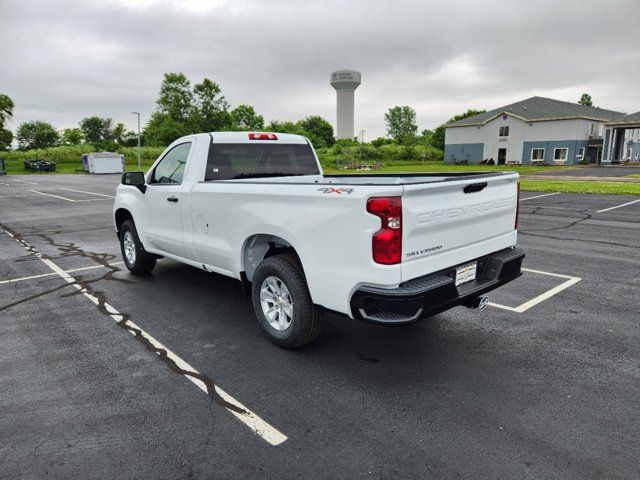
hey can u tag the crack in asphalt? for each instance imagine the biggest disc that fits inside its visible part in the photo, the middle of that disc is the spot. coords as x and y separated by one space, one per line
86 287
31 297
573 223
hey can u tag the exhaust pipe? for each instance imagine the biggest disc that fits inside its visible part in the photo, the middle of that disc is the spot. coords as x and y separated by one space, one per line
479 302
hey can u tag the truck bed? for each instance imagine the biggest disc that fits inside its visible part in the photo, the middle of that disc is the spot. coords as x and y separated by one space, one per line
408 178
377 179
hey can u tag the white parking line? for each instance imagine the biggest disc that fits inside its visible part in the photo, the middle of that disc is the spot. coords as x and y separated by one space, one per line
15 196
618 206
25 181
55 196
13 280
540 196
540 298
88 193
267 432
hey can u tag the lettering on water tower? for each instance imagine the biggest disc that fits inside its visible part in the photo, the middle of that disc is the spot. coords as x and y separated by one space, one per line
342 76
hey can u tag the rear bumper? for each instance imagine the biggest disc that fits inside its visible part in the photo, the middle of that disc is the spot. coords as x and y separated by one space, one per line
436 292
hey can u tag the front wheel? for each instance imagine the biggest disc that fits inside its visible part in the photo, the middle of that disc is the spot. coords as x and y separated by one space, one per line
137 260
282 302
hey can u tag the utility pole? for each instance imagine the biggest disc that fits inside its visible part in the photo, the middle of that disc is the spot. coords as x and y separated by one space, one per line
362 132
139 141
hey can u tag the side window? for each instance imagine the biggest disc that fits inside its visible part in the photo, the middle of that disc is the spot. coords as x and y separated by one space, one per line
171 168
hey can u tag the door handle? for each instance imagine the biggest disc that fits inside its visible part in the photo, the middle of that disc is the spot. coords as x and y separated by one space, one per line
172 199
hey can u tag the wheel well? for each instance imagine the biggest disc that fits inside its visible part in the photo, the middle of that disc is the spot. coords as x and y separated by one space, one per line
121 216
261 246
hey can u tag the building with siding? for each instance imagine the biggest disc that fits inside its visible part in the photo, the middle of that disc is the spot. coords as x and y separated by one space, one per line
533 130
622 140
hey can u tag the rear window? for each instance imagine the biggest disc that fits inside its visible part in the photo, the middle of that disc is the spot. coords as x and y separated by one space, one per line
240 160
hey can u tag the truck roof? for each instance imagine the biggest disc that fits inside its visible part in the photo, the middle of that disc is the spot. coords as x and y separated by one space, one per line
245 137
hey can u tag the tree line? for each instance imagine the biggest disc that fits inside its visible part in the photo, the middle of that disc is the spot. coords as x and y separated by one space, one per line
182 109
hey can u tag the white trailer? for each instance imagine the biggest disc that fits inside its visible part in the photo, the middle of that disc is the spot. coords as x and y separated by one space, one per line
103 162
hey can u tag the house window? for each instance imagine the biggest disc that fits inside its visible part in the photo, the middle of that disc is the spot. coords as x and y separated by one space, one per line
592 129
560 153
580 155
537 154
504 131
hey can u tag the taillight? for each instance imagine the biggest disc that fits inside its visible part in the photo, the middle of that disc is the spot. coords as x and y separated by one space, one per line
263 136
517 207
386 244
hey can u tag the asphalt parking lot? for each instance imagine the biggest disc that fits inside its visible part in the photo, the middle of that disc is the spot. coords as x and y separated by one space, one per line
545 383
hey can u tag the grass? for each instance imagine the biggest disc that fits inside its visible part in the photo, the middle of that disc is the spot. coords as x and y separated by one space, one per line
609 188
440 167
635 175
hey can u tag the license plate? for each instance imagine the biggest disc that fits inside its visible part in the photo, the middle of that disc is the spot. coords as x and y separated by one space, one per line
466 273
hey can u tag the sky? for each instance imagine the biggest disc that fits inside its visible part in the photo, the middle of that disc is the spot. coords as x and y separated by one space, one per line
63 60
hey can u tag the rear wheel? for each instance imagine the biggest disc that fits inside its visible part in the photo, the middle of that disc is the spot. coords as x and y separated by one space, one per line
282 302
136 259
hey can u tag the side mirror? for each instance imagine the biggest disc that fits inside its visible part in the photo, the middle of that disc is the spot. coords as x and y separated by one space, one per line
134 179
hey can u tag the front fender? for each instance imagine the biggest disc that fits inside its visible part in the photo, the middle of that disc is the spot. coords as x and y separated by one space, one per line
130 199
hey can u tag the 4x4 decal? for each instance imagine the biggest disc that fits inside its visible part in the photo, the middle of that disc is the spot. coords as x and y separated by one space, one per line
339 191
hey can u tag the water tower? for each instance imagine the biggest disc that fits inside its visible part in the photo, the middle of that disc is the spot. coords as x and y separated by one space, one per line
345 82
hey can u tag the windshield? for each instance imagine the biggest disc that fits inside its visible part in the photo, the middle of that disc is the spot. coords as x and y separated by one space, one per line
227 161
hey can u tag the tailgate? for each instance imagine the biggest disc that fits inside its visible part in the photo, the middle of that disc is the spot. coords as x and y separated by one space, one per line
451 222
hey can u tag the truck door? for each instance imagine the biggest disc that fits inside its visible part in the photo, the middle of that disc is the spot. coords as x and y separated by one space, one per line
162 218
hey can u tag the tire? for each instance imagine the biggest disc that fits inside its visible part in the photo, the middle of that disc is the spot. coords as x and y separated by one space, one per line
136 259
302 319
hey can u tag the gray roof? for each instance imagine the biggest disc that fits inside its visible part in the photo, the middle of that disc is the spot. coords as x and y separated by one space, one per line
536 109
631 118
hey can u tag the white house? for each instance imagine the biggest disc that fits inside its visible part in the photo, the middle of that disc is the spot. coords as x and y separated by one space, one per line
533 130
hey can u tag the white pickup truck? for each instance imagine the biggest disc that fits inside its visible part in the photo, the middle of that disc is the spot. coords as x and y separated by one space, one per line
256 207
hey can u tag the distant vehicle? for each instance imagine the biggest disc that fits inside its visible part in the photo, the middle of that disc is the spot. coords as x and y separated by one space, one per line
103 162
389 249
40 165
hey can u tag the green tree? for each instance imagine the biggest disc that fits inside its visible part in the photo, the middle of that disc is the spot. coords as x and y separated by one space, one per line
119 132
72 136
319 131
6 137
183 110
36 134
96 130
6 112
401 124
210 107
378 142
437 139
161 130
426 137
586 100
244 117
176 97
284 127
123 137
6 109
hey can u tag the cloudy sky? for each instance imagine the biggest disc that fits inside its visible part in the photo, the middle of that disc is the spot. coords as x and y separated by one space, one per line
63 60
